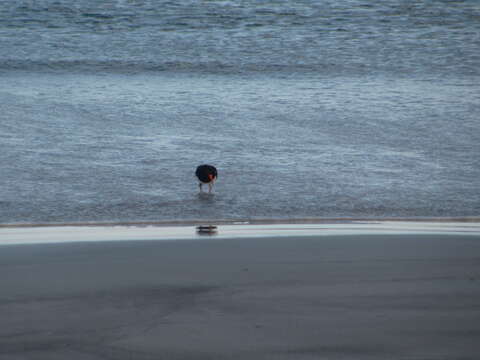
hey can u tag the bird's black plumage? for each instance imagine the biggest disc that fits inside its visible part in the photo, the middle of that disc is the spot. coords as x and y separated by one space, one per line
206 173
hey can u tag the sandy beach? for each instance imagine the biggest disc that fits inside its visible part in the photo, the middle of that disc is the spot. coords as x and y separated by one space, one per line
342 291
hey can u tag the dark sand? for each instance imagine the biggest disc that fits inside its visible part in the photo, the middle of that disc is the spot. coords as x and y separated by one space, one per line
327 297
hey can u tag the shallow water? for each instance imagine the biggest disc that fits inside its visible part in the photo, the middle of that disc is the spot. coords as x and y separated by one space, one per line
307 110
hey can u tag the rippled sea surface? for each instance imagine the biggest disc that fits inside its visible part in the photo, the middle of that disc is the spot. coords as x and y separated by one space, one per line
307 108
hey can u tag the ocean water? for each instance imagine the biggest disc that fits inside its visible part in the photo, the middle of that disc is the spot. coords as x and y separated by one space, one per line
309 109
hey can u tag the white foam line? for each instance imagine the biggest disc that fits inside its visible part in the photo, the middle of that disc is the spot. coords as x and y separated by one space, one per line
66 234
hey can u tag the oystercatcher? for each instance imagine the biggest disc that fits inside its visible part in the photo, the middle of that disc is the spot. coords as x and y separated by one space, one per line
207 174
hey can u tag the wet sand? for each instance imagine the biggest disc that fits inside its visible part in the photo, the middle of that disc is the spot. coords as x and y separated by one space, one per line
343 296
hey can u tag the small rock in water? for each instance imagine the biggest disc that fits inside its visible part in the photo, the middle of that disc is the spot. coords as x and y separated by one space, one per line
207 229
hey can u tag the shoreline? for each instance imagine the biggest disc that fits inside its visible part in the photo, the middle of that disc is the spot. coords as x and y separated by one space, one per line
259 221
116 232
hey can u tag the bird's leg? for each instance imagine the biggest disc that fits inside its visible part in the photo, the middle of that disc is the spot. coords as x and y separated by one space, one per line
200 186
210 185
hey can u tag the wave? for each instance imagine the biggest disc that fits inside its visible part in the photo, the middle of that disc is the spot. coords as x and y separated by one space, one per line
116 66
245 221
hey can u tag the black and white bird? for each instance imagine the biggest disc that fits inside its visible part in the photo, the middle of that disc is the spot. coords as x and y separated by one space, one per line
206 174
